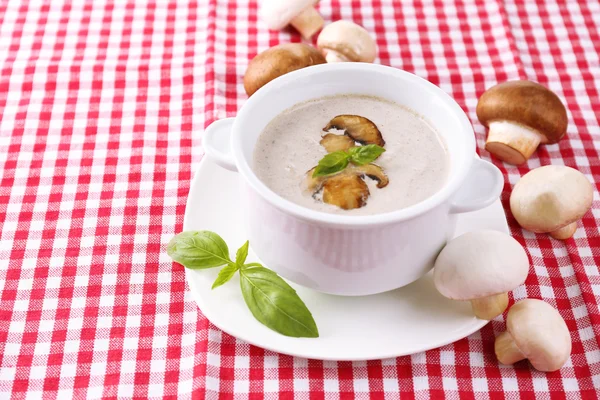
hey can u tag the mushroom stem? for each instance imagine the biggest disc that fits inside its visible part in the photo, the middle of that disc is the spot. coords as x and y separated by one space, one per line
565 232
506 349
512 143
308 22
333 56
490 307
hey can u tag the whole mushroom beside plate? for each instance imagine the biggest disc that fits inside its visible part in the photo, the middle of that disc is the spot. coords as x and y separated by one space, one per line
481 267
520 115
551 199
534 331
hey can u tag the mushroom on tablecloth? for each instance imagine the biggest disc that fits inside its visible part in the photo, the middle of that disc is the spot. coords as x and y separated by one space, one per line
520 115
481 267
551 199
536 331
277 61
344 41
301 14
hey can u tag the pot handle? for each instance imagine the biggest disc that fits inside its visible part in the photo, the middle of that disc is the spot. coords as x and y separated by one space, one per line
217 143
482 187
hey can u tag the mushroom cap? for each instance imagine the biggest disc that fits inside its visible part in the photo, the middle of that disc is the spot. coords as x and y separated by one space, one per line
480 264
333 143
551 197
278 13
360 129
277 61
351 40
373 171
540 333
525 103
347 191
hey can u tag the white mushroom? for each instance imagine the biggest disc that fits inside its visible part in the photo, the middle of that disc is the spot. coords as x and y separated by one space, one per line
551 199
481 266
520 115
346 41
536 331
299 13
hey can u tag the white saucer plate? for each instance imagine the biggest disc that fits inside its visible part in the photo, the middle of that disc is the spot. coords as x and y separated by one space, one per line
408 320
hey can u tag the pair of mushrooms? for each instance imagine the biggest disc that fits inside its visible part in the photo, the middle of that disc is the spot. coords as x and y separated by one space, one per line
338 42
482 267
347 189
520 115
346 41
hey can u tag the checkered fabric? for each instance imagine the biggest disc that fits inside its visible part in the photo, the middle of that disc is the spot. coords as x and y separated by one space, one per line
102 108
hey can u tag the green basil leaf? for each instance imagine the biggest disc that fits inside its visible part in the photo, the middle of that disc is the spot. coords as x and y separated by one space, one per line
199 250
362 155
225 274
331 163
276 304
333 159
242 253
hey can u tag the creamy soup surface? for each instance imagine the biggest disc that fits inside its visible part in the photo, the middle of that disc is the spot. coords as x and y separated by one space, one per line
416 160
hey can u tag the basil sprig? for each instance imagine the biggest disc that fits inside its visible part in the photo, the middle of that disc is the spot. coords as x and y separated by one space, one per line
270 299
338 160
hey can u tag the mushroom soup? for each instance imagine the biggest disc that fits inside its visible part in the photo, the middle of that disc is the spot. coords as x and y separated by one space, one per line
357 177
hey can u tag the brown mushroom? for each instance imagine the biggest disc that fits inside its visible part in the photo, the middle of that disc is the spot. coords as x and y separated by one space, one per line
520 115
313 184
333 143
346 191
360 129
551 199
299 13
277 61
346 41
372 171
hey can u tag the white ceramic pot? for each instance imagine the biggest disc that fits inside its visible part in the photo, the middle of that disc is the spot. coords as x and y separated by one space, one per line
353 255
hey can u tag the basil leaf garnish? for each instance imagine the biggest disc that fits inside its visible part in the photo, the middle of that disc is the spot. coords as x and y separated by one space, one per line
225 274
362 155
199 250
337 161
242 253
332 163
276 304
271 300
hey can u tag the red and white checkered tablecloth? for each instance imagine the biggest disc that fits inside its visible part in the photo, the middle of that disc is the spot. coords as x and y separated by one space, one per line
102 107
